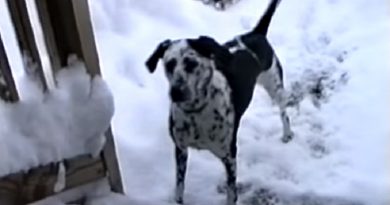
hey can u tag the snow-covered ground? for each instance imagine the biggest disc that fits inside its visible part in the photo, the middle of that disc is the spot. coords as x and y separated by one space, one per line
340 150
339 155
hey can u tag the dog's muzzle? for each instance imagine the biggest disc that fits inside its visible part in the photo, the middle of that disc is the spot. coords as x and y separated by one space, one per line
178 94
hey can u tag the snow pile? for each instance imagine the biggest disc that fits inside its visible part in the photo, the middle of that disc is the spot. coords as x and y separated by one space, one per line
47 127
334 56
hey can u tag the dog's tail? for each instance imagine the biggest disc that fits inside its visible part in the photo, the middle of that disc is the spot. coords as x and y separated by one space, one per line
263 24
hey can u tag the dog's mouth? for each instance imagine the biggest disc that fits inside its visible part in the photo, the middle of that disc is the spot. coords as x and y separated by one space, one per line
179 95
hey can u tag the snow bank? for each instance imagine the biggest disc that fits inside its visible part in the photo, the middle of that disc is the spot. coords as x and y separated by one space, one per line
48 127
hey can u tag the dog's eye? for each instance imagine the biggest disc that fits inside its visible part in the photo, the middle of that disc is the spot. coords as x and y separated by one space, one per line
170 65
189 65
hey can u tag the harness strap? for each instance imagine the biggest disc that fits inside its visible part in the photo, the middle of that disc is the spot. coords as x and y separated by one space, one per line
241 46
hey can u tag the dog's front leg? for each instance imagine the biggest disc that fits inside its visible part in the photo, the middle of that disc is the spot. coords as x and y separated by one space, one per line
231 173
181 156
287 133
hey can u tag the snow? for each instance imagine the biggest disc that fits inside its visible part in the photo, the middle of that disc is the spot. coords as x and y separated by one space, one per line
45 127
339 155
340 150
66 122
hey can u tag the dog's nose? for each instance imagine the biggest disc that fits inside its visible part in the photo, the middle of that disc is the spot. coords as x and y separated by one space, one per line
177 94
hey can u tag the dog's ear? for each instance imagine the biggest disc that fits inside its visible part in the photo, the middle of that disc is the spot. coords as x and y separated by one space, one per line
204 45
153 59
209 48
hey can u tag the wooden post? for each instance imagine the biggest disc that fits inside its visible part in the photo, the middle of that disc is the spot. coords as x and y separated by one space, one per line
68 30
9 190
39 182
8 90
25 35
110 157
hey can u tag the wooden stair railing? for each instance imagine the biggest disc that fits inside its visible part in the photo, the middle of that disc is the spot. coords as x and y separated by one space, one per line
67 30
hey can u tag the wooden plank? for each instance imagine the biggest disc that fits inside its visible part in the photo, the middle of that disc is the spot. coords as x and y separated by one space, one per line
85 30
25 35
110 157
38 183
49 37
9 187
84 26
74 196
8 90
83 170
68 30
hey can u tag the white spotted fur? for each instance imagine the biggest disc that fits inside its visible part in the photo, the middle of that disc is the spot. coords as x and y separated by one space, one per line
205 120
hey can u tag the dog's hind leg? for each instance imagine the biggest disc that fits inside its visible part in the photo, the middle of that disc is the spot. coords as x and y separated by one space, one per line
231 173
272 81
287 133
181 156
278 96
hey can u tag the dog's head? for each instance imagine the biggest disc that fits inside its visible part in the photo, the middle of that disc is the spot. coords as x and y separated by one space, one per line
189 65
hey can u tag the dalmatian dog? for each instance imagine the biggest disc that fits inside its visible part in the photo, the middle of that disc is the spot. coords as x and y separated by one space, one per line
211 86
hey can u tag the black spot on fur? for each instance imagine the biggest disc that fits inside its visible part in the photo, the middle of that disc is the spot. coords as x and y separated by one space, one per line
190 65
215 92
217 116
170 65
228 111
185 128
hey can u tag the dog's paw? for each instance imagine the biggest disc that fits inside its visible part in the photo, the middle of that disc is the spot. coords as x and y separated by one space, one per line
287 137
179 200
